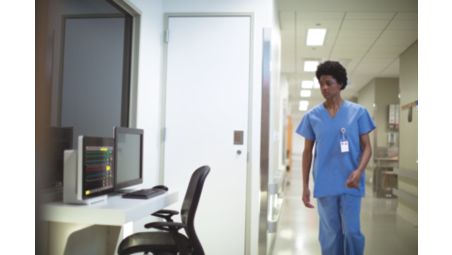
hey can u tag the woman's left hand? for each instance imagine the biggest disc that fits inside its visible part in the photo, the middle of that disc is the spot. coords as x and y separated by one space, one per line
353 179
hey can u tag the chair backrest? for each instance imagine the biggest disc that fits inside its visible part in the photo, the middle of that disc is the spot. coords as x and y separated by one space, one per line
190 204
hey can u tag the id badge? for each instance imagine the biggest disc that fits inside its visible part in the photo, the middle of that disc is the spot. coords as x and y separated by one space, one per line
344 146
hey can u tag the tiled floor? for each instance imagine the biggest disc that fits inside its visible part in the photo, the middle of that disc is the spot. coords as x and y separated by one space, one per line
385 232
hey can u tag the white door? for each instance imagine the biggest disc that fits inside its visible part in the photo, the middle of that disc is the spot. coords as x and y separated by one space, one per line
207 90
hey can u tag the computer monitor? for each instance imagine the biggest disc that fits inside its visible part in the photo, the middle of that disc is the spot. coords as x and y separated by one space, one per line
97 165
88 171
128 157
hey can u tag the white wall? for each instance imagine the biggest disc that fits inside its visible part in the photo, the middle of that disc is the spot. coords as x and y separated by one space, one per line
149 85
278 96
150 82
284 113
263 18
297 140
149 90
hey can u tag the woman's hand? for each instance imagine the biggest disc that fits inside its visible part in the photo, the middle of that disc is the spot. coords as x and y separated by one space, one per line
353 179
306 197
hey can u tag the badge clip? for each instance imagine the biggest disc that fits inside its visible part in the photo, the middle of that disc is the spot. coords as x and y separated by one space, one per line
344 142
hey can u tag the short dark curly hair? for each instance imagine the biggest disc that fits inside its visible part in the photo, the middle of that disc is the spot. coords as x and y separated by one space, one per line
334 69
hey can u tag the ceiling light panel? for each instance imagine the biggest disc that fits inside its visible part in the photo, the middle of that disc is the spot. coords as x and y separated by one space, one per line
316 37
307 84
316 84
310 65
305 93
303 105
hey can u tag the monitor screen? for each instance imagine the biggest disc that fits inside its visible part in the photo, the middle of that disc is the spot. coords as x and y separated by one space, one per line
97 166
128 157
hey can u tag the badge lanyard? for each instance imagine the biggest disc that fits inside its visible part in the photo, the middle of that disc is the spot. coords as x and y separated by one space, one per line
344 142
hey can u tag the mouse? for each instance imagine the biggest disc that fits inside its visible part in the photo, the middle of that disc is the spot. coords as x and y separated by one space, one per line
160 187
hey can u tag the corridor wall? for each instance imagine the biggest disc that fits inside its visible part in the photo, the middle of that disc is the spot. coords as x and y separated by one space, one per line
376 97
408 185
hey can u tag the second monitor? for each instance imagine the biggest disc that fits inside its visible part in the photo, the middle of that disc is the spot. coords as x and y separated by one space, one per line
128 157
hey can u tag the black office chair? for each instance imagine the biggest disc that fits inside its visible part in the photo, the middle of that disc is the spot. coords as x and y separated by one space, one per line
169 240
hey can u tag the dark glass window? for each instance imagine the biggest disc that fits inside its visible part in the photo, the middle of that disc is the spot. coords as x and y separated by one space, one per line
84 85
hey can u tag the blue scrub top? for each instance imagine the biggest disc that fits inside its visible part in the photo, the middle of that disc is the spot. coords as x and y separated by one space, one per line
331 166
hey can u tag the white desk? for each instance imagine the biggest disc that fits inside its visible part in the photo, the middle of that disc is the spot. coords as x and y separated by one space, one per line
107 217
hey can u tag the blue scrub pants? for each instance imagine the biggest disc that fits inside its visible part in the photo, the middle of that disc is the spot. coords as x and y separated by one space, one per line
340 232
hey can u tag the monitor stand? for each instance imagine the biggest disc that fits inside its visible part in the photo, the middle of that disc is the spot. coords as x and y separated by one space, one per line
94 200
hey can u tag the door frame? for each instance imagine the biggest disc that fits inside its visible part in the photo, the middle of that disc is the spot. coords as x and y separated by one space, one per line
248 198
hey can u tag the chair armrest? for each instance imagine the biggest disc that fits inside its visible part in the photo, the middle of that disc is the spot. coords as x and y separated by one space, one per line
167 226
165 214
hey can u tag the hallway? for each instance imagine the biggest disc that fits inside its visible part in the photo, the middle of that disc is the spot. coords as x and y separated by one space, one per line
385 232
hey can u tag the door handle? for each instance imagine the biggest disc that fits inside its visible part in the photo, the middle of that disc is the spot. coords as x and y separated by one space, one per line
239 152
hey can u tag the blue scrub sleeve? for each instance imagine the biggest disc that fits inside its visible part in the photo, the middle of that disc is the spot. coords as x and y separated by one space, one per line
305 128
365 123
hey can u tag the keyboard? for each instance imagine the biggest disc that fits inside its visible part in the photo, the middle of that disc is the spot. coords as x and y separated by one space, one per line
144 193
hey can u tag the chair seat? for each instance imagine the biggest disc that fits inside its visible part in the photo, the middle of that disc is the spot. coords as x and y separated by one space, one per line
155 242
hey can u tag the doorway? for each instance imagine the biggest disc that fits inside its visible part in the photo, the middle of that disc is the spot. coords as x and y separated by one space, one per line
206 121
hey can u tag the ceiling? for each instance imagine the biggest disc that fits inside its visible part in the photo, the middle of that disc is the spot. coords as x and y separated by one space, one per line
366 36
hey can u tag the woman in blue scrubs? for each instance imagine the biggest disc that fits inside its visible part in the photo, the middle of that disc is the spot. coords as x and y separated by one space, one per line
339 129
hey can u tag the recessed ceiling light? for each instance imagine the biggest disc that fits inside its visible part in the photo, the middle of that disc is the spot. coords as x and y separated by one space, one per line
305 93
310 65
303 105
316 83
307 84
316 36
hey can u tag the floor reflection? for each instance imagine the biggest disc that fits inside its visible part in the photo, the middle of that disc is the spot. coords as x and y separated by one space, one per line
385 232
